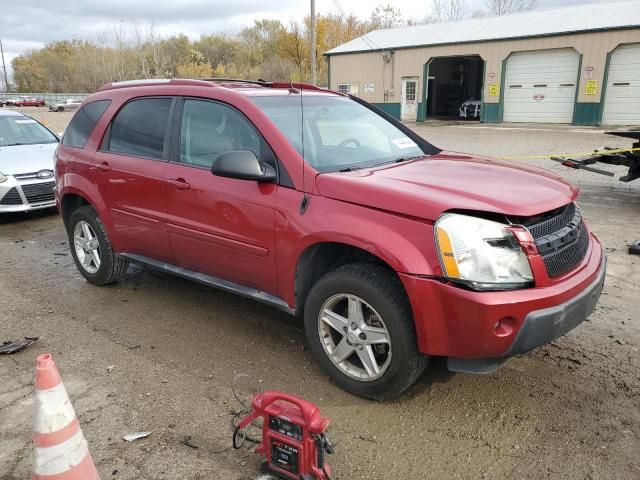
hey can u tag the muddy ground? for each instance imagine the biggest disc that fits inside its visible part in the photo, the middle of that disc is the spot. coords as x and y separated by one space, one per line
569 410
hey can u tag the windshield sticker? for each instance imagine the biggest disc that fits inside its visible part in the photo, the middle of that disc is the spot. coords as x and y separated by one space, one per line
26 121
404 142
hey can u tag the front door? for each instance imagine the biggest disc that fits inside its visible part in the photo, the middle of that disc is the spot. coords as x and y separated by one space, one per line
409 99
129 173
223 227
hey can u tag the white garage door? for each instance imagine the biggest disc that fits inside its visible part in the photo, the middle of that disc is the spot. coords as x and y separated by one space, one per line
622 97
540 86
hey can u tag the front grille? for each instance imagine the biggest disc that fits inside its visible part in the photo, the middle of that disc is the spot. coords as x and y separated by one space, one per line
32 175
561 238
568 257
11 198
553 222
39 192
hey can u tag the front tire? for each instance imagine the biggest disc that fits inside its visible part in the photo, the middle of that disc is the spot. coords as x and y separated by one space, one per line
60 109
91 248
360 328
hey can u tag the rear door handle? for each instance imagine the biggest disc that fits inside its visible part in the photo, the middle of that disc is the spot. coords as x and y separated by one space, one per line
104 166
179 183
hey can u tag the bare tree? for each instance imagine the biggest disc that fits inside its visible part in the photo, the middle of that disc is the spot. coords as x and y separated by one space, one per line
446 11
502 7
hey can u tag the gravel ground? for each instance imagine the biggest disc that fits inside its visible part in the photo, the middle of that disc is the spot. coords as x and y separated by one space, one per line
569 410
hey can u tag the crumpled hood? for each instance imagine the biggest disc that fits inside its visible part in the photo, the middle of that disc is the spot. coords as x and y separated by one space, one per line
425 188
26 158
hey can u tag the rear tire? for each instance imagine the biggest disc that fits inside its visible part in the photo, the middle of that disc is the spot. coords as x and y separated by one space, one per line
60 109
382 334
91 248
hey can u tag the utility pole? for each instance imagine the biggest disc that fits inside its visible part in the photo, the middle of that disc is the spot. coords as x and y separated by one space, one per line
313 43
4 68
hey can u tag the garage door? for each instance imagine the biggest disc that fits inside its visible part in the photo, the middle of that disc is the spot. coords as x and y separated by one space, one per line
622 97
540 86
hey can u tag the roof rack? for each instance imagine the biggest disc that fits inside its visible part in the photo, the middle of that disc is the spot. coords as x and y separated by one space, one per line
204 82
149 82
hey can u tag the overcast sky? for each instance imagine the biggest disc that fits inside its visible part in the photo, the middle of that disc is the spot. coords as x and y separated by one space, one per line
28 24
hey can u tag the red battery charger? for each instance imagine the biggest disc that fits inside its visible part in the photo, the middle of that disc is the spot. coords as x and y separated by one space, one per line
294 440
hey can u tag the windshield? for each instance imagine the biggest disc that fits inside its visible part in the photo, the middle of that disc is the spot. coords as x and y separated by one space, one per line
19 130
339 133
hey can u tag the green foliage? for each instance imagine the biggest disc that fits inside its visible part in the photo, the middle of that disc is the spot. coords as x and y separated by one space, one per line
267 50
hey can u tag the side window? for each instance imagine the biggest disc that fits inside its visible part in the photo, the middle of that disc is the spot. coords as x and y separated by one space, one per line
139 128
209 129
83 123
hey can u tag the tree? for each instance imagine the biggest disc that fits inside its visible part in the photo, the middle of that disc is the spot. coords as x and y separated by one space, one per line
386 16
446 11
502 7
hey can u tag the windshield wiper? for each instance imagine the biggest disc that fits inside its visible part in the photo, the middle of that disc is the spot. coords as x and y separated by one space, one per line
406 159
349 169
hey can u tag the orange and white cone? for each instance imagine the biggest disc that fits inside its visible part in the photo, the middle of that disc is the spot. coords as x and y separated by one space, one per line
60 450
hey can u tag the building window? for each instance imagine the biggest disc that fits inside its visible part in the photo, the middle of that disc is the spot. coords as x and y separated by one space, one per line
411 91
348 88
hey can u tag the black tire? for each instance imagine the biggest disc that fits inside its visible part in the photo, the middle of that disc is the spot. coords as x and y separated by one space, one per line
61 109
112 268
382 290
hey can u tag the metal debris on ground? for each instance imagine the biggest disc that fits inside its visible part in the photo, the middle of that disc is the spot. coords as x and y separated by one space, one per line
110 368
634 248
187 440
17 345
135 436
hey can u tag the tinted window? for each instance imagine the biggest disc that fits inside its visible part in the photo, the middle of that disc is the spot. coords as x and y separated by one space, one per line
83 123
209 129
139 128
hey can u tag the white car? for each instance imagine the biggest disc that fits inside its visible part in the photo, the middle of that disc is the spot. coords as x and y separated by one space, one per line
26 163
471 109
69 104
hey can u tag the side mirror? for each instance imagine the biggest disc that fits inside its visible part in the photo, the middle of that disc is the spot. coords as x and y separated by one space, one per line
243 165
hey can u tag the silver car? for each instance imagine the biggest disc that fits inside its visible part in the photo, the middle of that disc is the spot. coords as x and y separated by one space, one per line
68 105
26 163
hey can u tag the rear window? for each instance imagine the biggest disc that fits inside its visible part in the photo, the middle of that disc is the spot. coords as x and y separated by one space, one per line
83 123
140 127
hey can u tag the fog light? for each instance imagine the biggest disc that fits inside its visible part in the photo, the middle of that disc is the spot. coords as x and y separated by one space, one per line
504 327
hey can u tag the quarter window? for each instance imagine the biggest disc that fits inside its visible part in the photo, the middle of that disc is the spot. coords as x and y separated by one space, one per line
139 128
209 129
83 123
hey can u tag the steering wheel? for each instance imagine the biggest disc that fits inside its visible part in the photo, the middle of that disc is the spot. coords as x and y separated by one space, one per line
346 142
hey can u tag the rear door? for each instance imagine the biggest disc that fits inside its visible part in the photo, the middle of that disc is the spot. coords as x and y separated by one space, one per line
223 227
129 173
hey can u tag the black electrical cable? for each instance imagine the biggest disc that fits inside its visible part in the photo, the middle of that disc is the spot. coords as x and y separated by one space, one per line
245 411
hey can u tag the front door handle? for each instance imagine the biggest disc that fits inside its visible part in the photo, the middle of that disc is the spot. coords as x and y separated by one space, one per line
104 166
180 183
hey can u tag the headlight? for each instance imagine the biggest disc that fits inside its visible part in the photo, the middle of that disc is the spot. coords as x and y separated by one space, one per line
481 253
3 178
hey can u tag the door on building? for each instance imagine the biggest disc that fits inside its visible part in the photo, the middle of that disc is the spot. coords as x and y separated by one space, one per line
622 98
540 86
409 98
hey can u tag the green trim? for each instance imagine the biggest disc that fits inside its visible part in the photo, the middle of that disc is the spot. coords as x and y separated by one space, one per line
392 109
603 91
490 113
329 73
422 112
574 119
489 40
586 114
503 75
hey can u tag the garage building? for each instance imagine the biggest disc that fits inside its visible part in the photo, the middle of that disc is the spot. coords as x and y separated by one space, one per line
578 64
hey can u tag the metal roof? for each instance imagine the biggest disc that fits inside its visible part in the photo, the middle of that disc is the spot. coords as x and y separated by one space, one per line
555 21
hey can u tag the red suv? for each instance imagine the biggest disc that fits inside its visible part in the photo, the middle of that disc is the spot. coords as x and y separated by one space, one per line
324 206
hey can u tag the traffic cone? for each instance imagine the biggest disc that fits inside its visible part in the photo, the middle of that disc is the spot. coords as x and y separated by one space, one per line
60 450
